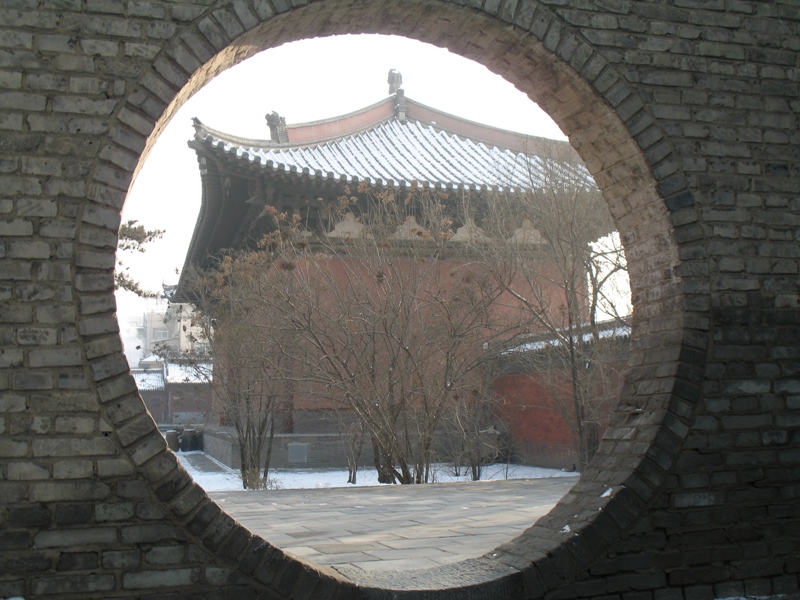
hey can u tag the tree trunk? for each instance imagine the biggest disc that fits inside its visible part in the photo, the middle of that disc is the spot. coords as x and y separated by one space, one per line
383 463
270 439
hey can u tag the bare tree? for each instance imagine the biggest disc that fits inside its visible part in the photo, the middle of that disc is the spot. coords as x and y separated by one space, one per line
554 248
392 320
396 313
477 436
246 377
353 435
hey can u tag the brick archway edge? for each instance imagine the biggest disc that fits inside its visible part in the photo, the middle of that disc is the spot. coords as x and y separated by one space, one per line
686 113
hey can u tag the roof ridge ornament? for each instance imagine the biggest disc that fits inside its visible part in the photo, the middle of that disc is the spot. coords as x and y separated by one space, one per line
395 81
277 128
199 127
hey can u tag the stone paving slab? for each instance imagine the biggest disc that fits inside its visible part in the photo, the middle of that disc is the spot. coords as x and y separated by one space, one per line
395 528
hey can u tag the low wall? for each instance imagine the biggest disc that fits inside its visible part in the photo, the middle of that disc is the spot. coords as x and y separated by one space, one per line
289 451
327 450
549 455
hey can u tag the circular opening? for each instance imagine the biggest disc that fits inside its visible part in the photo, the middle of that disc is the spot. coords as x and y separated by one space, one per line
621 170
532 409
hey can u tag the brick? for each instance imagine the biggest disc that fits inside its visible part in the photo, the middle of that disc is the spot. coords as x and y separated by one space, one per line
46 315
187 499
120 511
103 347
77 561
27 471
30 207
71 446
12 403
83 106
114 468
16 227
136 121
150 511
160 30
11 358
73 584
165 555
147 448
212 33
33 515
75 537
156 578
109 366
162 91
162 465
99 238
33 293
31 380
22 101
11 122
136 429
73 514
73 469
16 271
121 559
121 410
56 357
100 47
115 177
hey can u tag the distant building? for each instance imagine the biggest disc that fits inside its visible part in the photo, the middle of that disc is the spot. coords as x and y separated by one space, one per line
305 168
169 327
175 394
190 394
155 331
151 384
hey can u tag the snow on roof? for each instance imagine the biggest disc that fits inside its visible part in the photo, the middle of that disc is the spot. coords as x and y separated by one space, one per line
394 153
605 332
176 373
148 379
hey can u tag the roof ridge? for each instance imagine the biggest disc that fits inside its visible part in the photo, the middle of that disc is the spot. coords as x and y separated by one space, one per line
200 127
468 164
415 111
340 117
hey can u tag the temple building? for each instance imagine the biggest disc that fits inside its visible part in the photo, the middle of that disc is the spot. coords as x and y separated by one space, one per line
396 145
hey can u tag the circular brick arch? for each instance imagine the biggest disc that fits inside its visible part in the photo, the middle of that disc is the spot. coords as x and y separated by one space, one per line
685 115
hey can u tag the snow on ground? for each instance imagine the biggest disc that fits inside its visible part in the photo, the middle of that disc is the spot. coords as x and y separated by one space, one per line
221 478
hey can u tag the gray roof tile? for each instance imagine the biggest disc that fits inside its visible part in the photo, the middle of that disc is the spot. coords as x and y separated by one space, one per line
392 152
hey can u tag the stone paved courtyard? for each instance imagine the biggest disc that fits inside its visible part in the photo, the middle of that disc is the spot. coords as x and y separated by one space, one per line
395 527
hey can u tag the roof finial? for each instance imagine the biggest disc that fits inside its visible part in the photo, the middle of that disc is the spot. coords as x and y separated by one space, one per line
395 81
277 128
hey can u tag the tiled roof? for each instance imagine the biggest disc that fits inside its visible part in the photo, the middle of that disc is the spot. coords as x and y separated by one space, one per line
199 373
149 379
608 330
156 379
390 153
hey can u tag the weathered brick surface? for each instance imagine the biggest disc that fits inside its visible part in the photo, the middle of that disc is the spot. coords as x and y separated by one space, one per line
686 113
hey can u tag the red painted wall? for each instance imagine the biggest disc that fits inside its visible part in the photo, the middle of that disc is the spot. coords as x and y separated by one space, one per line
528 409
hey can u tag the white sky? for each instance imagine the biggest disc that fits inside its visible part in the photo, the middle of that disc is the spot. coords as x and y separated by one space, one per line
303 81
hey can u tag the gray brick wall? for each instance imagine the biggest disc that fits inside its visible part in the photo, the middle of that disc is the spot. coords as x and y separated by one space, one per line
686 113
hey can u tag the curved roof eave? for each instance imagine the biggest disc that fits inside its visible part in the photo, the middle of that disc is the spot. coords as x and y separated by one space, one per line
388 154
